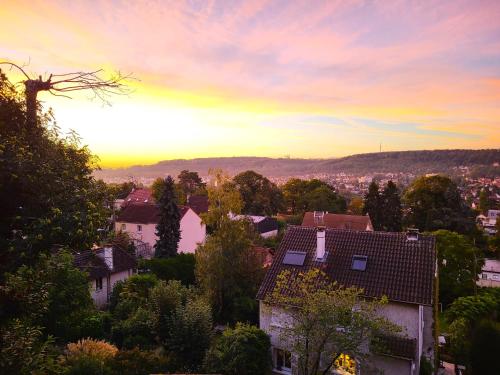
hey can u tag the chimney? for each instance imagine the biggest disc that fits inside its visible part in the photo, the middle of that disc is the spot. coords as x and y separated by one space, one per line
412 234
320 243
319 218
108 257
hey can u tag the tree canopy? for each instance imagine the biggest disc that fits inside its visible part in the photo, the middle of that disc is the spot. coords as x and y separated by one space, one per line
168 228
260 196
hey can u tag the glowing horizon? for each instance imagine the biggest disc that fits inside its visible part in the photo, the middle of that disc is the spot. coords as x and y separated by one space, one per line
309 79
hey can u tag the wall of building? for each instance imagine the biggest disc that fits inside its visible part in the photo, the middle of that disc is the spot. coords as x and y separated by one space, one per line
100 297
193 232
405 315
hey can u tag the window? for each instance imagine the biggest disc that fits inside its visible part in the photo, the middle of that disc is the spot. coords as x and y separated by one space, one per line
124 227
139 228
294 258
359 262
344 365
283 360
98 283
484 276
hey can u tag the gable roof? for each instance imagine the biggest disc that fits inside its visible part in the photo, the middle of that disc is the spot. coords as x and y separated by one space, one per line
144 213
400 269
198 203
142 195
92 261
339 221
263 224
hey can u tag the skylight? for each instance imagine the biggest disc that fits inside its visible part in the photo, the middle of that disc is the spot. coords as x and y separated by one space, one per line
359 262
294 258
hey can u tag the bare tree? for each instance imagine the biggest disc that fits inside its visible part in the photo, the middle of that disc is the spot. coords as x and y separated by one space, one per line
58 84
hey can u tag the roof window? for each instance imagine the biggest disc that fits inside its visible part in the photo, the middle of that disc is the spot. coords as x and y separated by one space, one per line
359 262
294 258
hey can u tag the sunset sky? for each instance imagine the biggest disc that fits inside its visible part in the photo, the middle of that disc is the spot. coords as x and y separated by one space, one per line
311 79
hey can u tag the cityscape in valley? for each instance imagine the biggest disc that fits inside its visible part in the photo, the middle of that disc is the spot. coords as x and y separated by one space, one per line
254 187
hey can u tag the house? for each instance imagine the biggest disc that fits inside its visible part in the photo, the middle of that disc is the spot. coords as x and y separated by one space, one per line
337 221
397 265
105 266
141 195
488 223
490 274
264 225
139 221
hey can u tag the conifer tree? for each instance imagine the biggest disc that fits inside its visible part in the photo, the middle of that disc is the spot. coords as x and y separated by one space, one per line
372 205
391 214
168 229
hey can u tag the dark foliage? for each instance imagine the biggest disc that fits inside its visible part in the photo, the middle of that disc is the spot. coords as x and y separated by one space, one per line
260 196
168 228
180 267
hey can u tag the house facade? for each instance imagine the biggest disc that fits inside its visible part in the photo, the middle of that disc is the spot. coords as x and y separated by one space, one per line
490 274
395 265
139 220
105 266
337 221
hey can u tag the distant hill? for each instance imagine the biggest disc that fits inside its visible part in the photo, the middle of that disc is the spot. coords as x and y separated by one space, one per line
418 162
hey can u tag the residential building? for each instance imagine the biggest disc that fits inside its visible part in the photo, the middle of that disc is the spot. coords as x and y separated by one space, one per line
397 265
139 221
337 221
105 266
264 225
490 274
140 195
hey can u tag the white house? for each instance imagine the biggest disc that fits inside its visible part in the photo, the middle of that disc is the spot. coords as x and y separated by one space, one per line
490 274
105 266
399 266
139 221
264 225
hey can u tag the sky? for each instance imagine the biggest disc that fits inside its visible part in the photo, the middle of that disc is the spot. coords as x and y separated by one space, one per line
308 79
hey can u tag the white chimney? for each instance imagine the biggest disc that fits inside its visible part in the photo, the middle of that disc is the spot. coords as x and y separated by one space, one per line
320 243
108 257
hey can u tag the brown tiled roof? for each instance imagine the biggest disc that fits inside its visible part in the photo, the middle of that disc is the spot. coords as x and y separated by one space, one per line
198 203
394 346
138 196
338 221
144 213
400 269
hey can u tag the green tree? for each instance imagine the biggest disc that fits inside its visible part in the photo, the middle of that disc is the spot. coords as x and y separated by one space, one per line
459 264
190 183
168 228
323 320
260 196
180 267
54 294
243 350
228 269
293 194
392 215
373 205
324 198
224 198
355 206
484 348
435 203
47 193
484 201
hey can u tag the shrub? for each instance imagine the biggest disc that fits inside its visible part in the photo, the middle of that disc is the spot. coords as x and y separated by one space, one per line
138 362
90 357
179 267
244 350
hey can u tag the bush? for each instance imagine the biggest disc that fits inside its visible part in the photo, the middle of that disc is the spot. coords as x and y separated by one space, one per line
244 350
89 357
139 362
484 348
179 267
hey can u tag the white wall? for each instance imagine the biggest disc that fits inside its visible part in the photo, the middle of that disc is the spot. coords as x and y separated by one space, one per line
405 315
193 232
100 297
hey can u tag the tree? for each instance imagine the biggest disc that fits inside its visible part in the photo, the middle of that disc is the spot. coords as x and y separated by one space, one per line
190 183
243 350
323 321
484 201
392 214
260 196
180 267
312 195
224 198
228 269
484 348
459 264
435 203
372 205
56 84
47 193
355 206
168 228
